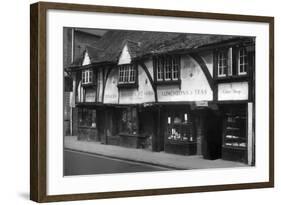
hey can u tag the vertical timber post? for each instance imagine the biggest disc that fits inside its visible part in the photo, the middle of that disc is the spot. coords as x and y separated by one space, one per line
250 133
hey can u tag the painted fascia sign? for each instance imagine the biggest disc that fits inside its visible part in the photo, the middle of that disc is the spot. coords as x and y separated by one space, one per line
233 91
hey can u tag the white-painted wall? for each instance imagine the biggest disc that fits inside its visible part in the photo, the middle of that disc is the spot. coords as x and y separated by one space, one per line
125 57
149 65
208 59
194 84
86 60
144 93
111 89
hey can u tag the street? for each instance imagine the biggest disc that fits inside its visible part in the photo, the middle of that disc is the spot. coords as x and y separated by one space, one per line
80 163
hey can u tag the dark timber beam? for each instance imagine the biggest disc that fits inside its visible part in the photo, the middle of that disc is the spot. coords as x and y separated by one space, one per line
105 80
204 68
150 79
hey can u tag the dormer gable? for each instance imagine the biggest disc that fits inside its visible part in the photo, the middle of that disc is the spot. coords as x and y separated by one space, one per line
125 56
86 59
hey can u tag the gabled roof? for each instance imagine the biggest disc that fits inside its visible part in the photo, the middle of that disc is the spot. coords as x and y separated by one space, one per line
141 43
134 48
93 52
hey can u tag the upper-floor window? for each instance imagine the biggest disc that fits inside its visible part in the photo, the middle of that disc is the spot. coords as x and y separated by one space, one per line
222 63
127 74
232 62
242 61
167 68
87 77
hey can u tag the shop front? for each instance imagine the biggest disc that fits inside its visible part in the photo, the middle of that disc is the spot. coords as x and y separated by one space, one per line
180 132
235 132
197 103
128 126
193 128
238 121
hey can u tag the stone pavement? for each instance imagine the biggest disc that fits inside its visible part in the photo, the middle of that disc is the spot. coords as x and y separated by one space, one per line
172 161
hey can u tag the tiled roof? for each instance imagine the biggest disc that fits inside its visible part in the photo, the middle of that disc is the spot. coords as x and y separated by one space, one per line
140 43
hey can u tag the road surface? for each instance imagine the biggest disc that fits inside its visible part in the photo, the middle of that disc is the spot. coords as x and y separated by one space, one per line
80 163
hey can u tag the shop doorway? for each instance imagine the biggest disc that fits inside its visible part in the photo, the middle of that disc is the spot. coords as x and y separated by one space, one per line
212 141
147 129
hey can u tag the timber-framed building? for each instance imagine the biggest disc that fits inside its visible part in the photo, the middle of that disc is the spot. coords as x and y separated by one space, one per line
189 94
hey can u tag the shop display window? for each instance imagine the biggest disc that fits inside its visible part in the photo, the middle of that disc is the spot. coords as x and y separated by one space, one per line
235 130
87 118
180 128
129 121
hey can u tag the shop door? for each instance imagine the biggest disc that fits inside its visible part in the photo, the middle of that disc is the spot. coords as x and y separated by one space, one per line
212 141
148 139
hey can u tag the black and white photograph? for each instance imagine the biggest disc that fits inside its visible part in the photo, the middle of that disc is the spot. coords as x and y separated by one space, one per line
146 101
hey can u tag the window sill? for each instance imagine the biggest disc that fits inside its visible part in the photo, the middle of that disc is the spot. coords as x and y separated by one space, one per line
89 84
232 78
127 85
169 82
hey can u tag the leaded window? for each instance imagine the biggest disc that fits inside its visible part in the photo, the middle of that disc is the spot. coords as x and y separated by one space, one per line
167 68
127 74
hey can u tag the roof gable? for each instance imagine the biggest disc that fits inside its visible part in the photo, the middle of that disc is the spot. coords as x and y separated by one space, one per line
121 46
125 57
86 59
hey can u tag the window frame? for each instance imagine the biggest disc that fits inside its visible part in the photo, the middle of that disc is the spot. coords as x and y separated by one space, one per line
245 64
233 62
129 115
88 77
182 127
165 68
225 60
127 75
87 118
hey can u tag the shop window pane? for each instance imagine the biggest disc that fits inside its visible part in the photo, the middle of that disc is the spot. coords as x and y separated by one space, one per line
180 128
87 117
129 123
235 129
